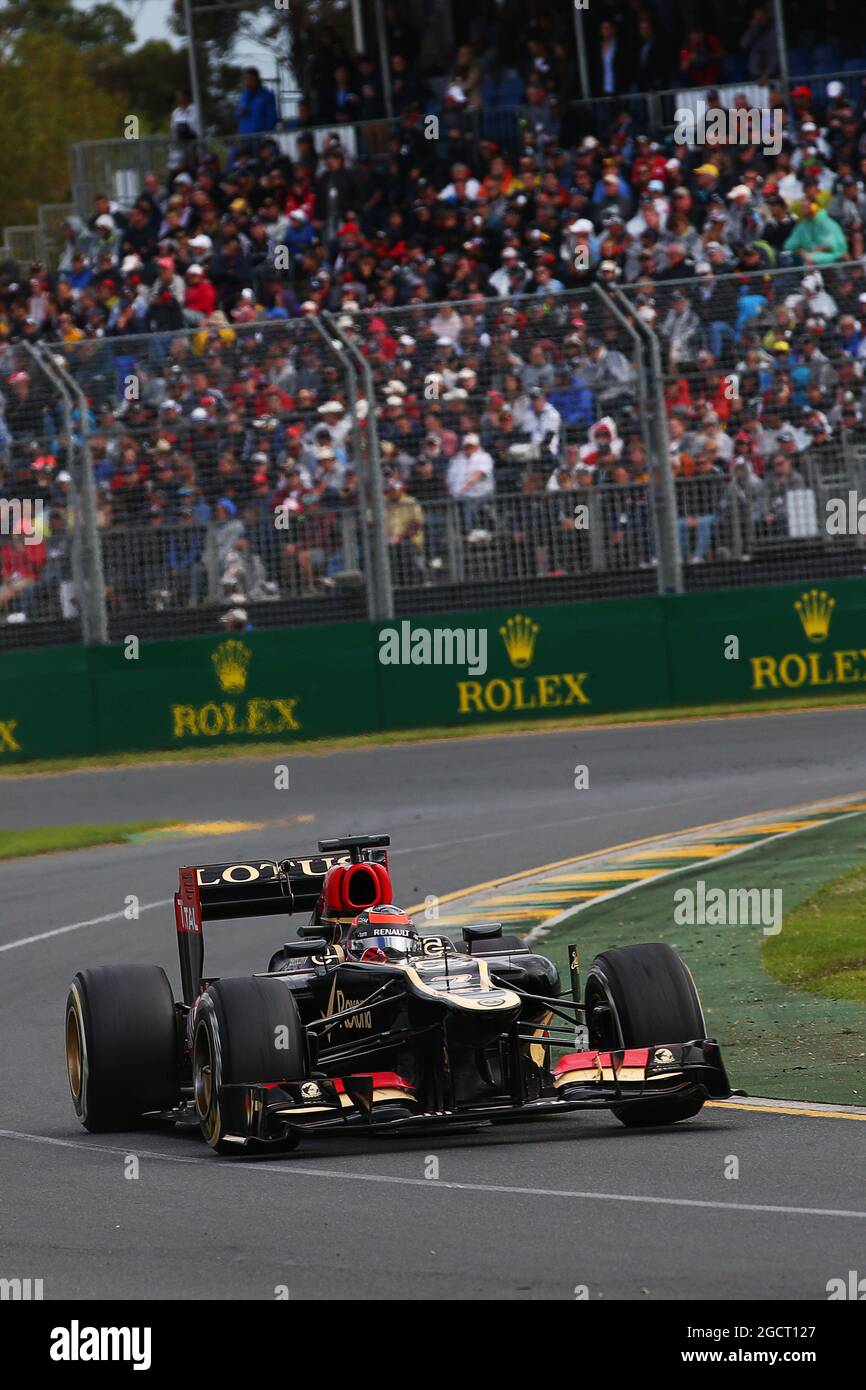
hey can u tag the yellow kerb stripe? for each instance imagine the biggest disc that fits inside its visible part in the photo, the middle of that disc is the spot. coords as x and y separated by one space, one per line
601 876
782 827
788 1110
530 899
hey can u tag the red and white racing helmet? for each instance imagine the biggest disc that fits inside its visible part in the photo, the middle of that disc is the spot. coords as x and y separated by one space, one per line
383 933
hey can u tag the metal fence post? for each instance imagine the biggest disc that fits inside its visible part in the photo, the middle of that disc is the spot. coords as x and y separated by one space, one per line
92 600
379 542
76 558
335 345
670 559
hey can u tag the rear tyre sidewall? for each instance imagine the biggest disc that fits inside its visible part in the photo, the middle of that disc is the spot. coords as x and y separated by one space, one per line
121 1045
235 1038
652 1001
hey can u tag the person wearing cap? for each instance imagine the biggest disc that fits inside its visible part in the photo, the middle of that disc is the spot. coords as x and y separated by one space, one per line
404 530
778 222
848 205
680 329
608 373
780 480
580 249
200 298
201 246
540 423
817 239
236 620
502 279
168 288
469 478
612 193
77 239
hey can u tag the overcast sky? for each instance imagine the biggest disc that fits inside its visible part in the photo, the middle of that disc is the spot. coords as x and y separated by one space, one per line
151 22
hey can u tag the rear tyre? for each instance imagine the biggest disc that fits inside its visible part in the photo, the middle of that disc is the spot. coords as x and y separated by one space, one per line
121 1045
247 1031
642 996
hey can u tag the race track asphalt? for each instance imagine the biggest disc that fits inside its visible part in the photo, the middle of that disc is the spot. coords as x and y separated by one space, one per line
524 1212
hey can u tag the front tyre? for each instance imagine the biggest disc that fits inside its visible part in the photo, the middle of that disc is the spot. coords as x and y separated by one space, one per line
640 996
121 1045
247 1031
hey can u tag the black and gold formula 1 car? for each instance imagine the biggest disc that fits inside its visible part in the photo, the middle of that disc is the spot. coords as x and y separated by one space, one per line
363 1022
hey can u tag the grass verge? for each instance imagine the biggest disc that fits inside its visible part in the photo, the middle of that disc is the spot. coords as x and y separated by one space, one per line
52 839
822 947
780 1036
233 751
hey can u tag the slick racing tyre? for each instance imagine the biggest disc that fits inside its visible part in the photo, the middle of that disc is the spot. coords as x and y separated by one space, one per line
638 996
247 1030
121 1045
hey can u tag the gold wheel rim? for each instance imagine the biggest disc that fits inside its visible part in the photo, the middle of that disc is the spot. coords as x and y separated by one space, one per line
73 1053
202 1073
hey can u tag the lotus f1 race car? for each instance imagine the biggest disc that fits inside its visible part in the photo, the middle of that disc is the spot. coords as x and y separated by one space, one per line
365 1023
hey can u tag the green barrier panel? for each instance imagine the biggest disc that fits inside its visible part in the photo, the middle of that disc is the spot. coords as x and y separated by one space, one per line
283 685
756 644
46 705
555 661
475 668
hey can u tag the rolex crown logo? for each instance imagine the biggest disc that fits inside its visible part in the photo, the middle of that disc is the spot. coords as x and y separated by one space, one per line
815 609
519 634
231 660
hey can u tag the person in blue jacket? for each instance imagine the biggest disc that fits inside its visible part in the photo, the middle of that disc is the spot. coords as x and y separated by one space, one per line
256 110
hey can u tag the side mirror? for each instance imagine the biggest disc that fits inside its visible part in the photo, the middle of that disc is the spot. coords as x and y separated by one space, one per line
312 946
482 931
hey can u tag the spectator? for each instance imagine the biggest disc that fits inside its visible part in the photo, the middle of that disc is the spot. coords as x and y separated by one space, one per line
700 64
256 109
404 528
470 477
817 239
760 43
541 423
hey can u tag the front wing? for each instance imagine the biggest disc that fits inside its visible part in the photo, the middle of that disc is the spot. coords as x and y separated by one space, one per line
384 1101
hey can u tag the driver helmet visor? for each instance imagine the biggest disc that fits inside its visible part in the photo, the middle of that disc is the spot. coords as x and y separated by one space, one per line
393 945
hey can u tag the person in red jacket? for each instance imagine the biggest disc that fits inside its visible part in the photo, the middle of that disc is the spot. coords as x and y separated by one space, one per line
200 293
700 59
20 567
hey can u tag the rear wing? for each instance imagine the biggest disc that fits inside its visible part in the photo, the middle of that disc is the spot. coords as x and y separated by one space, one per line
257 888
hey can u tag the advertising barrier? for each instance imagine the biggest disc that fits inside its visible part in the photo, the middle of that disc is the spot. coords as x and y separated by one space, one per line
467 668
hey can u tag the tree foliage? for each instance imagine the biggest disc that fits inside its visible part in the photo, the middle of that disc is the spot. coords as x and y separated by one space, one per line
146 79
102 24
46 92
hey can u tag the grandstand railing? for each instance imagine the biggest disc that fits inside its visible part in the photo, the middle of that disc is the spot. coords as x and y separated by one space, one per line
117 167
741 516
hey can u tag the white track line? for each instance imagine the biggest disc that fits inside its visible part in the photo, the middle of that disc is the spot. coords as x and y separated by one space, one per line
406 849
490 835
290 1169
77 926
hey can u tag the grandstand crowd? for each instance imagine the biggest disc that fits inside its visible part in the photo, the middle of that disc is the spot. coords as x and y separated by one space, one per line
461 257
